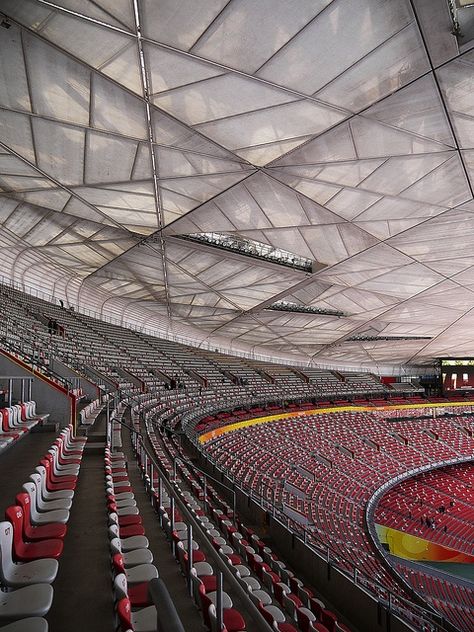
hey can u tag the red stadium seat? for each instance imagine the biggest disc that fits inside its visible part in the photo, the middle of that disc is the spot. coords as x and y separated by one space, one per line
27 551
40 532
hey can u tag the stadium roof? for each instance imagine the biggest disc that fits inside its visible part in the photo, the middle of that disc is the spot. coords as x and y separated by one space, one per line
337 135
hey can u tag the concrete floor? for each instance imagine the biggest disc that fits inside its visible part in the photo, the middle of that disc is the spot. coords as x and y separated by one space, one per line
83 598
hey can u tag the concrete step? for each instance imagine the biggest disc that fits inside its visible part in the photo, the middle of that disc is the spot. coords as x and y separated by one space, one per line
94 447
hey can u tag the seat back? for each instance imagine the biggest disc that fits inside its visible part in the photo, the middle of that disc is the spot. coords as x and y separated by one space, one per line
295 584
113 531
267 580
60 443
36 479
120 586
203 568
14 514
255 599
47 466
42 473
116 545
279 589
182 556
17 412
316 606
124 614
30 489
5 420
304 616
54 452
28 410
6 544
269 618
117 561
289 604
12 416
23 500
53 458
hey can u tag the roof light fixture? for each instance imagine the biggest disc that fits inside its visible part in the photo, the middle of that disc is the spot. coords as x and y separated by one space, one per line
251 248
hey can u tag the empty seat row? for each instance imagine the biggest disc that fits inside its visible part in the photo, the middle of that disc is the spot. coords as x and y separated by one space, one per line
202 578
284 604
16 421
31 537
279 581
345 457
89 413
131 560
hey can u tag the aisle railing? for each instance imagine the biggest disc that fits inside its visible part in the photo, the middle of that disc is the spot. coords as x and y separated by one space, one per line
425 619
164 488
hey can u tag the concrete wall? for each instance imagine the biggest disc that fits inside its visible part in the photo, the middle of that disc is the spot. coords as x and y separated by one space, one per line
48 397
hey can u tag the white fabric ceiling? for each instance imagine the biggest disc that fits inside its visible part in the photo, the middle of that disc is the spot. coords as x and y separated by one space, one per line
342 131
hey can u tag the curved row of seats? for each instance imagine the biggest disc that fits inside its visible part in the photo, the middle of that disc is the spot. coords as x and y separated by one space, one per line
281 597
348 456
298 601
361 553
31 537
131 559
444 595
16 421
381 436
89 413
404 506
203 576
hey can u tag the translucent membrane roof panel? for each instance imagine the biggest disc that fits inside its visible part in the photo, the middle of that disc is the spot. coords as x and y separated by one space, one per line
296 131
87 33
372 23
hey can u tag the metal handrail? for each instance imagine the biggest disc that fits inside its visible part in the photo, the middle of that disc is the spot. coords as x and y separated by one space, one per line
370 512
183 460
329 554
356 576
36 366
172 490
167 618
